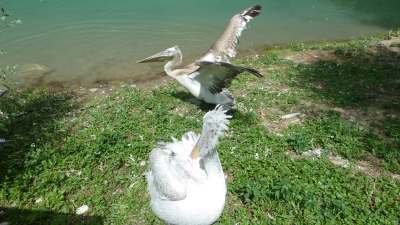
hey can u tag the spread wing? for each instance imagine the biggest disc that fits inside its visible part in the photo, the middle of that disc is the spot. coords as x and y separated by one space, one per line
225 47
219 75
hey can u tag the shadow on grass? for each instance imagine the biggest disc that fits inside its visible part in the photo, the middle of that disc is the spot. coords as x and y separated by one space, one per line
31 217
28 121
187 97
356 81
362 85
359 79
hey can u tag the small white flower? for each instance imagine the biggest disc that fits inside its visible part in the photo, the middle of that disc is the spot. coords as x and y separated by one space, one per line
270 216
142 163
82 210
131 185
257 157
38 200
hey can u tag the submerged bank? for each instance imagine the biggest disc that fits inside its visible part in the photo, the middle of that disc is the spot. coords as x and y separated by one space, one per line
319 105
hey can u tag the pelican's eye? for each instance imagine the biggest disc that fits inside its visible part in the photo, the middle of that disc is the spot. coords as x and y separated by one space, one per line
173 154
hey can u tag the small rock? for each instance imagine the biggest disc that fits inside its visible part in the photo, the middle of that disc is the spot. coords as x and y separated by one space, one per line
4 223
315 153
26 68
339 161
31 73
82 210
290 116
93 89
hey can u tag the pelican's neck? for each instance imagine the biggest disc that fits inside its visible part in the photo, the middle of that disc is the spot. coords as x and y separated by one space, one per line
212 166
174 63
207 145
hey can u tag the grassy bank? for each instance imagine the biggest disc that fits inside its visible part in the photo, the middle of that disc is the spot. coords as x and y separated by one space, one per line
63 153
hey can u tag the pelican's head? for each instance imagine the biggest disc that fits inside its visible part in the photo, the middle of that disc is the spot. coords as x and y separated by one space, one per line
165 55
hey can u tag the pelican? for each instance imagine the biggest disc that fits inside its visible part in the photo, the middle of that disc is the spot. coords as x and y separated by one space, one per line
186 181
207 77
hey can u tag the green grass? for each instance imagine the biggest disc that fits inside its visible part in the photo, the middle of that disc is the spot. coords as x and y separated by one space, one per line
69 153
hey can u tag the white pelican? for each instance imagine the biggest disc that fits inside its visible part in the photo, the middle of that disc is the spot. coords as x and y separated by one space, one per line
207 77
186 182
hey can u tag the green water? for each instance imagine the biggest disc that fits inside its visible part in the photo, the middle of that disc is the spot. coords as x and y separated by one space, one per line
89 40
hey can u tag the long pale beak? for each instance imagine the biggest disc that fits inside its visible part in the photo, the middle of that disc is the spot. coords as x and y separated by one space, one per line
159 57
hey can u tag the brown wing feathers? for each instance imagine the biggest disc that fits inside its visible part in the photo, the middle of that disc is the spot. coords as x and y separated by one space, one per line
225 46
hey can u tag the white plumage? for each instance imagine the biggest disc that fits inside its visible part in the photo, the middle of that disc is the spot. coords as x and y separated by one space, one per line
186 181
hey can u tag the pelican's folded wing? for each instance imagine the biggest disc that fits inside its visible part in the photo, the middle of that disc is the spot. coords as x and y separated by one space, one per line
165 177
219 75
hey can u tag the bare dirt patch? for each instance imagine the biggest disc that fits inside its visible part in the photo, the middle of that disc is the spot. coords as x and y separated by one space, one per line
370 166
310 57
391 45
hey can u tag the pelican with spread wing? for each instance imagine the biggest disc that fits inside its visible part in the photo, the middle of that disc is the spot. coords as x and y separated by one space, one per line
208 77
186 181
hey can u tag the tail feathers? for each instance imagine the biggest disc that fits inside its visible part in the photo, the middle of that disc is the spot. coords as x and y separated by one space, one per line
228 94
250 70
251 12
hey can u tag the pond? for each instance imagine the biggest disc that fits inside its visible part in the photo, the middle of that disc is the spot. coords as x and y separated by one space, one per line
91 40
